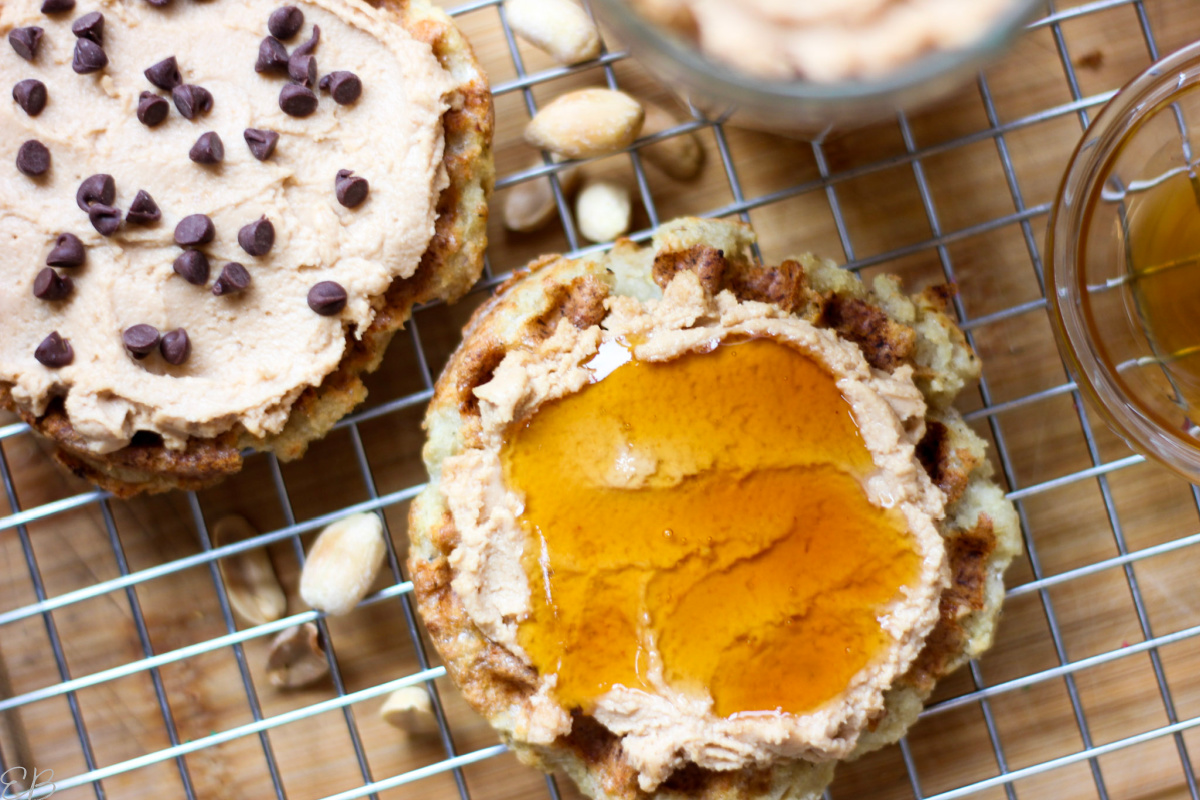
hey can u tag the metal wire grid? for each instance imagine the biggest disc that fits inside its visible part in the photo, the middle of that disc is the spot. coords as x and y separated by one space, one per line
400 590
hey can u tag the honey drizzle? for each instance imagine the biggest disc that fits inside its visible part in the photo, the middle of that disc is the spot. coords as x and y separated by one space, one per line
707 510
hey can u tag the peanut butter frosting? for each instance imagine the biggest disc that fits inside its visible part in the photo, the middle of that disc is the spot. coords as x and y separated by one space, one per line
349 190
827 40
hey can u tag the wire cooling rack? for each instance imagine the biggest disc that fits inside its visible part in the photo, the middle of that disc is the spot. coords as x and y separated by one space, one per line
124 672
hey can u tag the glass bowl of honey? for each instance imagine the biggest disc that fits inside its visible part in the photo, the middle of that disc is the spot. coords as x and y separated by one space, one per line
1124 255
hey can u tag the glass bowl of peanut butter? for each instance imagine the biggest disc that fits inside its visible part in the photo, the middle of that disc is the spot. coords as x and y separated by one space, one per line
805 67
1124 263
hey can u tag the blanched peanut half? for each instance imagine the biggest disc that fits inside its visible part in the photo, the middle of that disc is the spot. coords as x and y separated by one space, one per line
297 658
681 156
603 210
343 563
254 591
530 205
559 27
409 710
586 123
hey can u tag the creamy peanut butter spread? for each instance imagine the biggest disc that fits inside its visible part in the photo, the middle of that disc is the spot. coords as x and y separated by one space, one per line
827 40
663 721
252 352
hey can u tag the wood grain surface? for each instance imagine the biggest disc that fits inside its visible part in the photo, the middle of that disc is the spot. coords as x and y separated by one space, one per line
983 226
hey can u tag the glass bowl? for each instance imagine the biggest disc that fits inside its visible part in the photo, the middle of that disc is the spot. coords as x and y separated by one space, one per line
799 107
1124 259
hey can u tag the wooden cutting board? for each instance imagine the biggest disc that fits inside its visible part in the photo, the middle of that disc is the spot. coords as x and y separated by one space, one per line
971 206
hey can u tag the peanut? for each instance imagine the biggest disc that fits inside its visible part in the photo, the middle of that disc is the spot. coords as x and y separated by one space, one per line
343 563
530 205
297 658
409 710
680 156
559 27
586 123
250 582
602 210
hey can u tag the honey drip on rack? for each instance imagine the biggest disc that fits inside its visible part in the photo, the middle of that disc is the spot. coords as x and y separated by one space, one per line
1164 249
707 511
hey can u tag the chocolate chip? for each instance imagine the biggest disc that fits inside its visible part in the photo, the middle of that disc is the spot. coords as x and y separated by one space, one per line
194 230
175 346
49 285
165 74
67 251
152 109
54 351
258 237
104 219
141 340
234 279
192 266
351 190
327 298
25 41
57 6
89 57
344 86
208 149
285 22
33 158
30 95
90 26
96 189
298 101
261 143
192 100
159 3
303 70
309 47
143 210
272 56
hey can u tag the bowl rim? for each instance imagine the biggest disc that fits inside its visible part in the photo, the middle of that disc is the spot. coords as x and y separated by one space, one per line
734 82
1132 106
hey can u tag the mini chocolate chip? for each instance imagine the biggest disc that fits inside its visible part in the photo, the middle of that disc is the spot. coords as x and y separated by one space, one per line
104 219
89 57
192 266
96 189
30 95
309 47
208 149
67 251
327 298
57 6
152 109
49 285
351 190
90 26
25 41
258 237
175 346
272 56
141 340
159 3
344 86
285 22
296 100
192 100
261 143
303 70
194 230
54 351
143 210
33 158
165 74
234 279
